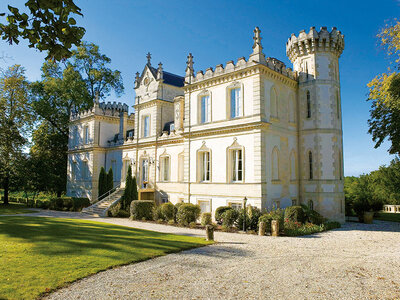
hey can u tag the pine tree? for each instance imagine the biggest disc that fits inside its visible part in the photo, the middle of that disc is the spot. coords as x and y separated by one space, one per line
102 182
110 180
134 189
127 198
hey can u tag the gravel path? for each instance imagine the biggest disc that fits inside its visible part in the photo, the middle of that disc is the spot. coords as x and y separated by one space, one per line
358 261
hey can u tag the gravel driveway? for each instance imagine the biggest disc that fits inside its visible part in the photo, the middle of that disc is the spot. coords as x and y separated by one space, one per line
358 261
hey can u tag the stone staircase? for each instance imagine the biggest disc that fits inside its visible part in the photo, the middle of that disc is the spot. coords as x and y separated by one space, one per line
101 207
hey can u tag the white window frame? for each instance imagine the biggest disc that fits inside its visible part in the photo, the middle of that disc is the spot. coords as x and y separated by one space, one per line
239 102
165 168
207 202
181 167
204 159
206 117
146 129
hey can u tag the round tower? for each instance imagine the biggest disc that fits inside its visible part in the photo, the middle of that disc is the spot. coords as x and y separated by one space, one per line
315 57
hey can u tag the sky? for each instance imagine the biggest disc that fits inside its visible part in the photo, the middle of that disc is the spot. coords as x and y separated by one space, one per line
218 31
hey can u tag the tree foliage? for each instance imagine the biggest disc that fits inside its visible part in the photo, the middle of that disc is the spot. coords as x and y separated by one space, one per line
384 93
110 180
49 26
102 182
16 120
130 192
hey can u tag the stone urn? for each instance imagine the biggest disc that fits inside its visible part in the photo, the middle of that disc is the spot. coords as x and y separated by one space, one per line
368 217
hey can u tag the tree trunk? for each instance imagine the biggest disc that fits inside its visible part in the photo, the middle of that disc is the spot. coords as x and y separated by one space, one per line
6 185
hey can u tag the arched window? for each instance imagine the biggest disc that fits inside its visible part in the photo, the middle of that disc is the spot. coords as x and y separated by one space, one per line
274 103
308 105
275 164
292 165
311 204
310 165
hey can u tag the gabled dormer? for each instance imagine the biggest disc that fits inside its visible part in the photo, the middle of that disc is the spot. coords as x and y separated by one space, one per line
155 83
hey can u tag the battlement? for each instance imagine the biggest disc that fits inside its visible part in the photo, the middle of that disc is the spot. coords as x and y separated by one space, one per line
102 109
314 41
257 57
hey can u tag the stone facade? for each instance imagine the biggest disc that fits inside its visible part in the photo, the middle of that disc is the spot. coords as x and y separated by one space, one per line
254 129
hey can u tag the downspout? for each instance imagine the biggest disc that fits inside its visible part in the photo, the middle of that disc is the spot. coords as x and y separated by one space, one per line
189 137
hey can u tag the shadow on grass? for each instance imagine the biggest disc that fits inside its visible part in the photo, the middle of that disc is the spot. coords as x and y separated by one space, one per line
72 237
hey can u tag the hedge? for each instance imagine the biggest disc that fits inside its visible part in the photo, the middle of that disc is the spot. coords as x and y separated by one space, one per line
167 211
66 203
142 209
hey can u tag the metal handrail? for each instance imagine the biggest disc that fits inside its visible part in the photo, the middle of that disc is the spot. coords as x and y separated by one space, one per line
108 193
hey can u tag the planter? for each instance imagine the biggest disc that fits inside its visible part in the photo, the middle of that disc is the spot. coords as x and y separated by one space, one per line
368 217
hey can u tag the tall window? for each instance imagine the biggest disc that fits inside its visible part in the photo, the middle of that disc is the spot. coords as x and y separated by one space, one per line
311 204
74 170
145 172
274 103
236 104
275 164
75 136
310 165
165 167
146 126
237 165
86 134
181 164
205 206
205 109
292 166
308 105
85 170
205 167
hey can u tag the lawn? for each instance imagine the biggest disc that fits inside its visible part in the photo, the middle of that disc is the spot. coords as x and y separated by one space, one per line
388 217
14 208
40 254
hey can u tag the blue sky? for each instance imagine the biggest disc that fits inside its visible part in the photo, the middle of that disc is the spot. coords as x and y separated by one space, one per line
219 31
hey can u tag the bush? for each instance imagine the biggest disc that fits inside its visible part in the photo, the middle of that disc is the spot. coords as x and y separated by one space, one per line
252 216
297 229
122 214
295 214
187 213
113 211
157 213
229 217
142 209
218 213
68 203
316 218
277 214
192 225
171 222
206 219
167 211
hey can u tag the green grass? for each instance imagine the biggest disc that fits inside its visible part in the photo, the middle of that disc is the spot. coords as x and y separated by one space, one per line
39 254
14 208
388 217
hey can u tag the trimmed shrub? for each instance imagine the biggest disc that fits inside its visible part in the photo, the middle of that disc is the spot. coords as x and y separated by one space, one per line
167 211
171 222
123 214
157 213
229 217
252 215
68 203
297 229
295 214
192 225
218 213
187 213
142 209
272 215
316 218
206 219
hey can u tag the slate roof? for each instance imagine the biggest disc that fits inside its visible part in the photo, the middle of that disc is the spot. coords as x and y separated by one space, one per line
169 78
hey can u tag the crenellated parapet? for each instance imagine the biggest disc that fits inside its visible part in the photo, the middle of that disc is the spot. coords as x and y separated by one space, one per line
257 57
113 109
314 41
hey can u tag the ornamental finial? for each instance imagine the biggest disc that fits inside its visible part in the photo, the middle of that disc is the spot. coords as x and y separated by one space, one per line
148 56
189 66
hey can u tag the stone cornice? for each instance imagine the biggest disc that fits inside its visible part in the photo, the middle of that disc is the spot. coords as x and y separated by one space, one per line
238 74
151 103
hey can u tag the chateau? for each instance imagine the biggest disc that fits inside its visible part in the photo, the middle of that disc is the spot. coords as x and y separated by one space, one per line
253 128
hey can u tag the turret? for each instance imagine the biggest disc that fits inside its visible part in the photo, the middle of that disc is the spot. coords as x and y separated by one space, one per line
315 57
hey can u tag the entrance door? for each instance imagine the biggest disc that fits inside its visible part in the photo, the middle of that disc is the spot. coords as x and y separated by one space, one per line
145 173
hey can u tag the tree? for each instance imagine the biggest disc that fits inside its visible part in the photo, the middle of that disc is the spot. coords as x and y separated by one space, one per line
384 93
134 189
48 27
67 88
16 119
49 154
130 192
102 182
110 180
